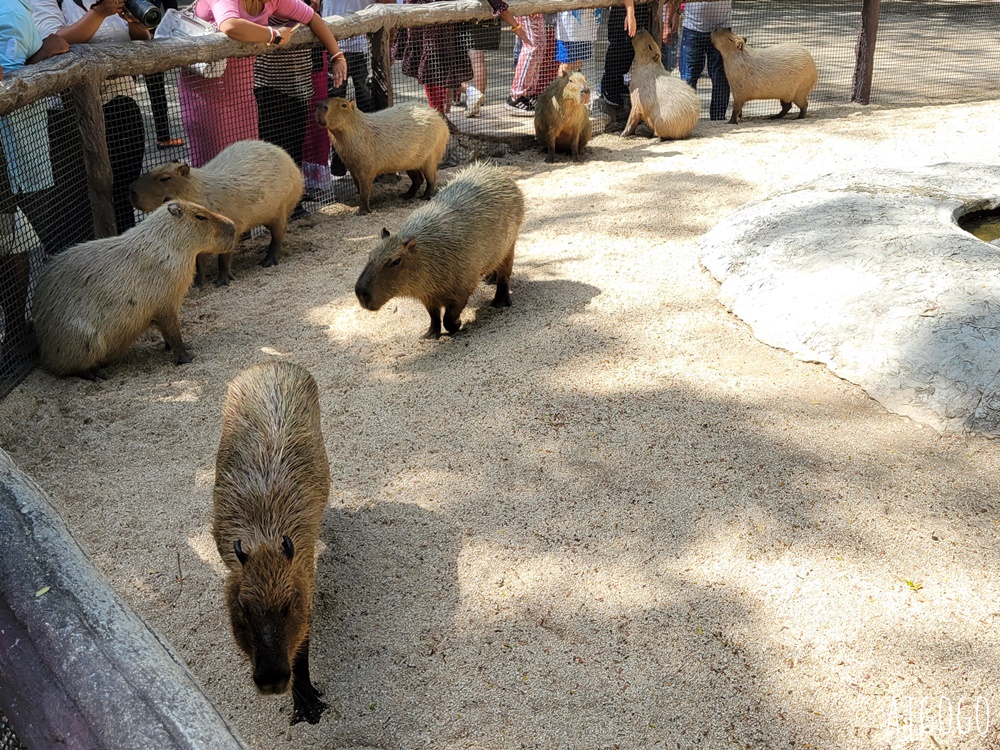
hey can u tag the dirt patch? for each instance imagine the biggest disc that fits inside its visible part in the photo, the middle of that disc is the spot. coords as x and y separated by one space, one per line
605 517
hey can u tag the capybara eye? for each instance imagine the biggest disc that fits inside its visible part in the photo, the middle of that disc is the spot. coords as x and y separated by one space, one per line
164 179
200 217
396 262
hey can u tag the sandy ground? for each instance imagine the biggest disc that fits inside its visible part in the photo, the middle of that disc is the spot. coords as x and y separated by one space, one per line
606 517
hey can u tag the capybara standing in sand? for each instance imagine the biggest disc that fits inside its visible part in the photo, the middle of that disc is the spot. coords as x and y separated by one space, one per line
95 299
562 120
407 137
668 105
785 72
254 183
272 480
444 248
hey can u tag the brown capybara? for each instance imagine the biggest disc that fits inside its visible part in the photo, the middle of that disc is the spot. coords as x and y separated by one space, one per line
95 299
408 137
444 248
785 72
668 105
254 183
562 120
272 480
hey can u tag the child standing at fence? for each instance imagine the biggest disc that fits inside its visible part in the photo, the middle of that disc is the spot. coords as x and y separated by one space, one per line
700 19
431 54
576 32
223 110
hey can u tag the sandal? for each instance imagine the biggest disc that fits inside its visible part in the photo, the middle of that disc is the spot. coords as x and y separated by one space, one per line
162 143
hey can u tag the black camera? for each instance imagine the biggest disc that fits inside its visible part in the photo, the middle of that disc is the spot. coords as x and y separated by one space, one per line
144 12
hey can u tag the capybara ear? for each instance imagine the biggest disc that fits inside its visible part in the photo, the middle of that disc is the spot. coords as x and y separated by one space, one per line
287 547
352 104
565 74
739 43
175 209
409 245
184 170
745 39
240 554
385 233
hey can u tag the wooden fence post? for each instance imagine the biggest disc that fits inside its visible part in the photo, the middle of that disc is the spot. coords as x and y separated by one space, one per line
864 52
96 161
381 46
656 19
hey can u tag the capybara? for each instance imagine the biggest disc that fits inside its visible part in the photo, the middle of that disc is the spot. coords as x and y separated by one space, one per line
407 137
254 183
272 480
668 105
562 120
95 299
785 72
444 248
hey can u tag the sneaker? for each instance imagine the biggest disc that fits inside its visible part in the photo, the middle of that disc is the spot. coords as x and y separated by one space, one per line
475 100
521 107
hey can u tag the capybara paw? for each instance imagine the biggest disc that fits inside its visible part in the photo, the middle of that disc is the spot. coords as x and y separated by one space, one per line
308 709
364 211
550 159
269 261
409 194
499 301
182 358
223 279
426 196
93 374
453 327
431 335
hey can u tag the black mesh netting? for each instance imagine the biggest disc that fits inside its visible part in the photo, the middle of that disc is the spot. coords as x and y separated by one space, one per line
8 740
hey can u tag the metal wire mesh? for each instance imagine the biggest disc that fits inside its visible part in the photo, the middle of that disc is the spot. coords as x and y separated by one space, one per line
8 740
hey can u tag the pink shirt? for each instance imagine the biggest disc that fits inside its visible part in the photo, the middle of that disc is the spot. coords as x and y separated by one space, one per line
217 11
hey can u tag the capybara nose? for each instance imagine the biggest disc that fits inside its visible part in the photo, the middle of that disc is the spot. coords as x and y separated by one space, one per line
134 197
364 296
272 680
321 112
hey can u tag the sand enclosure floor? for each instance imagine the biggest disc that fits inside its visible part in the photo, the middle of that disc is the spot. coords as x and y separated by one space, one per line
606 517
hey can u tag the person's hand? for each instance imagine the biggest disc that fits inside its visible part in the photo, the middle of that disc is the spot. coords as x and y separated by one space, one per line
339 71
630 21
108 8
522 35
668 30
285 35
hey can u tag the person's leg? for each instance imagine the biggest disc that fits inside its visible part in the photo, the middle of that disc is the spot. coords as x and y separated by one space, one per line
720 85
157 89
126 150
692 57
617 59
357 71
437 97
529 63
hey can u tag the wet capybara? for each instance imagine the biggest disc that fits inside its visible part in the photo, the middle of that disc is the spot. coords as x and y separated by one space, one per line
408 137
444 248
95 299
272 480
785 72
562 120
254 183
668 105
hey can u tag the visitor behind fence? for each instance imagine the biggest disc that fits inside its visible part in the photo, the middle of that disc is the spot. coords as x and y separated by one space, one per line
25 178
356 53
671 34
700 19
622 25
85 21
431 54
156 86
222 110
576 32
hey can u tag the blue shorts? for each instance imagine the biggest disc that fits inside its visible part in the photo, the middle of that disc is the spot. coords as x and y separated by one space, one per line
571 52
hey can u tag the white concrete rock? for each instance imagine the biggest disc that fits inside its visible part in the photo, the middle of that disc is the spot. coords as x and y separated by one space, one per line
869 274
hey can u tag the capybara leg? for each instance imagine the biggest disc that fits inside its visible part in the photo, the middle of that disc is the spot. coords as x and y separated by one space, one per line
93 374
576 151
306 703
634 118
170 326
737 111
502 297
225 270
434 332
802 108
785 106
551 148
453 316
430 174
199 276
365 191
277 230
416 180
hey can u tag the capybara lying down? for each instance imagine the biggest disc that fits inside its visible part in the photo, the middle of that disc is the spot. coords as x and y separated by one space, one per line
668 105
254 183
562 120
444 248
272 480
95 299
407 137
785 72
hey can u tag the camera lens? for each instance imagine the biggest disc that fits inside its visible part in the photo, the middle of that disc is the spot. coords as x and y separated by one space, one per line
144 12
